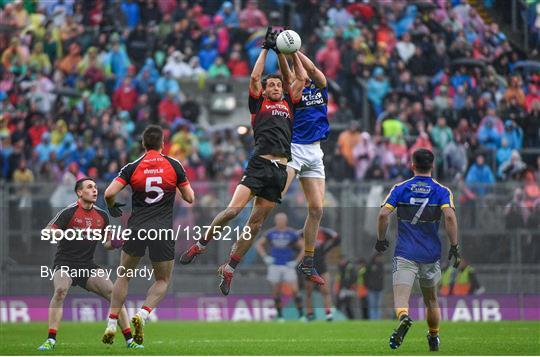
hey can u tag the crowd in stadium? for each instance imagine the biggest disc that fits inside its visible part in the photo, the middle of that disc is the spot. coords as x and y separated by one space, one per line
80 80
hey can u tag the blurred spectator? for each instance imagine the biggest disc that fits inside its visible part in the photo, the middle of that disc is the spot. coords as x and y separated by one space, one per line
346 288
513 135
480 176
168 109
329 59
346 143
441 134
125 97
405 47
99 100
361 289
455 158
238 66
488 135
251 18
515 211
167 84
377 88
218 69
374 285
459 282
177 67
363 154
227 12
338 15
512 167
131 11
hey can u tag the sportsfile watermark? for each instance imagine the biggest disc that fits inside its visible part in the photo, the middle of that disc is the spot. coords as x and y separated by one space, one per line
117 233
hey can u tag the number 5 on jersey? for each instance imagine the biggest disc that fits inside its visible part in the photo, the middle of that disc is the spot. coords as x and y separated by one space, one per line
152 186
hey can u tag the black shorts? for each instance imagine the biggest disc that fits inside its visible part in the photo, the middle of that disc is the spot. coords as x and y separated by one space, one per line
265 178
161 250
80 280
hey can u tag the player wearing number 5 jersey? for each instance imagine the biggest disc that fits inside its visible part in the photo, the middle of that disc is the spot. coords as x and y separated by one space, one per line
154 179
420 202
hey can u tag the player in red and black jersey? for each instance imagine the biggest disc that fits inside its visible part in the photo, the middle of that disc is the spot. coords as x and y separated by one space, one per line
266 174
154 179
74 261
326 240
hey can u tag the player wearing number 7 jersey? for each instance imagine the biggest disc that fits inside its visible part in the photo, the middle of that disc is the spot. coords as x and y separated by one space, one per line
420 203
154 179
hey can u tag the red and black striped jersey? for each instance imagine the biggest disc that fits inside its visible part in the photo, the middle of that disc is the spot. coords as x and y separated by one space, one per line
153 178
272 124
77 218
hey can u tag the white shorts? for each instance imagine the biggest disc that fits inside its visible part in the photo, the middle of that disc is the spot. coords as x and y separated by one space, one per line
281 273
405 271
307 160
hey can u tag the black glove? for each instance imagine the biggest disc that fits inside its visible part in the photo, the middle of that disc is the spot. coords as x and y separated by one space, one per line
269 39
273 41
454 252
115 210
381 245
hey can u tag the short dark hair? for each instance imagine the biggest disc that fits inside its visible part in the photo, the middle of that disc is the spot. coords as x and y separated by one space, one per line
270 76
152 137
79 183
423 160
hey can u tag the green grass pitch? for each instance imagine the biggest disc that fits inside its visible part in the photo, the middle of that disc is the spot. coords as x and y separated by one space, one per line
271 338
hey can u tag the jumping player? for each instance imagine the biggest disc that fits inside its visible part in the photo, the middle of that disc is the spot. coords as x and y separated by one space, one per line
272 113
310 128
154 179
327 239
286 251
420 203
78 256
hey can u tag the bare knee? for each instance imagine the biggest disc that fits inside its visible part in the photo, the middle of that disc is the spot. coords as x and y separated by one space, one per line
163 279
431 301
315 213
60 293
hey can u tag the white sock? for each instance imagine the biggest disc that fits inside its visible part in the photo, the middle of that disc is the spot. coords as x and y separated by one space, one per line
112 323
143 313
51 340
129 341
200 245
229 268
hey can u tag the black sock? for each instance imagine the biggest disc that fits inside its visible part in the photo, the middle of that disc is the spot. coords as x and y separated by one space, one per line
127 333
204 242
277 302
299 307
234 260
52 334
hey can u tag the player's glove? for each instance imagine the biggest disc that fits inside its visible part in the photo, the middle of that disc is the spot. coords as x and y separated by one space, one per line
454 253
115 210
274 41
381 245
270 39
268 260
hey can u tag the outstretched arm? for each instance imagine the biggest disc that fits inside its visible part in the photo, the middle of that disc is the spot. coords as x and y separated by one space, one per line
255 85
288 76
300 78
313 72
